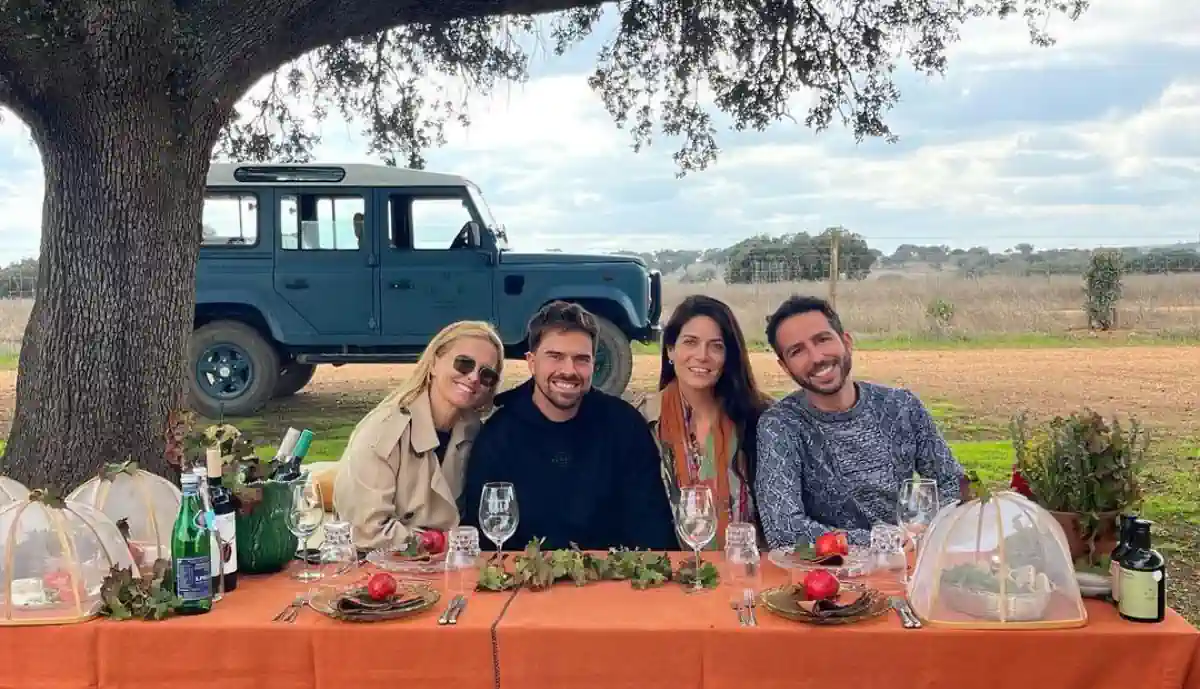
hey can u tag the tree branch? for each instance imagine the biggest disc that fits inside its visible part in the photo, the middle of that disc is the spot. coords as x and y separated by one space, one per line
244 41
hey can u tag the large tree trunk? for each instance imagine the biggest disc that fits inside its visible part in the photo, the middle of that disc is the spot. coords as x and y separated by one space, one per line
101 361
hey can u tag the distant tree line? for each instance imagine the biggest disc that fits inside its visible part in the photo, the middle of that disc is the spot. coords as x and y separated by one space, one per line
807 257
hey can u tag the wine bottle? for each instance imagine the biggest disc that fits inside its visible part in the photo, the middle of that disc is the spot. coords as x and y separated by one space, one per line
284 452
1124 522
1143 578
191 556
291 468
224 531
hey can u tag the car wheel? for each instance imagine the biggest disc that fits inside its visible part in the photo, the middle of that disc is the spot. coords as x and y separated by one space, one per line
293 377
614 359
232 371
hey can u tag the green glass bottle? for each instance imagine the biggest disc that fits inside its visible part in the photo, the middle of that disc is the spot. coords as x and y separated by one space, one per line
191 552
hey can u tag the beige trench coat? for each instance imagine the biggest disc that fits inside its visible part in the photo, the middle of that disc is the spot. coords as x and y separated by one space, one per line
390 482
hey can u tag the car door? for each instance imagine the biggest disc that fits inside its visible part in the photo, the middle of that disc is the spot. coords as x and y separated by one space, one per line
323 267
424 283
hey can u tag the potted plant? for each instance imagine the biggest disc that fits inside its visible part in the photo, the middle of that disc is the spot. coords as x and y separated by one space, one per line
264 543
1084 471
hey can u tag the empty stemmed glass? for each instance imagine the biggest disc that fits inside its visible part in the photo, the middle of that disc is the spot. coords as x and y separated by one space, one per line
304 515
696 521
498 514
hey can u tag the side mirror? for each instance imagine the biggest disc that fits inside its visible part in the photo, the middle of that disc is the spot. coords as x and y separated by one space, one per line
474 231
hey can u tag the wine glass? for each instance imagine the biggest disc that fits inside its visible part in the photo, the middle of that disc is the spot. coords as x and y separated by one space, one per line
304 515
696 521
498 515
916 507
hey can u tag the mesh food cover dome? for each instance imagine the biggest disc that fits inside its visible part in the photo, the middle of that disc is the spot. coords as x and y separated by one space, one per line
997 562
11 490
143 505
54 558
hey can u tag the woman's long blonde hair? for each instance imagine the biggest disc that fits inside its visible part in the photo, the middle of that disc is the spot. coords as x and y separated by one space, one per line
418 382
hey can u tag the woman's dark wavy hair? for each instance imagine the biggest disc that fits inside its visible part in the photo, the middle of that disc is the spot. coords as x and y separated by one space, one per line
736 389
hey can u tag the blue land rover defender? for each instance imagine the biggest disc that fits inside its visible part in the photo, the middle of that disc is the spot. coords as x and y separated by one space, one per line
307 264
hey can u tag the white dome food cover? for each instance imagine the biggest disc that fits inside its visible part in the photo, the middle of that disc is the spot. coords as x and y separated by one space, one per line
996 562
146 502
54 558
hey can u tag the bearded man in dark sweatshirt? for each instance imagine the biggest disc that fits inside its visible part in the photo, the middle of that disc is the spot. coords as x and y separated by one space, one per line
583 464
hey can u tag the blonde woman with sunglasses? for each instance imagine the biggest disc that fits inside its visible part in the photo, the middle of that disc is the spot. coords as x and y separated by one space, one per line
402 470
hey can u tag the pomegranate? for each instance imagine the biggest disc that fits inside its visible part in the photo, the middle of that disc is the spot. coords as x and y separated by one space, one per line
381 586
433 541
832 543
820 585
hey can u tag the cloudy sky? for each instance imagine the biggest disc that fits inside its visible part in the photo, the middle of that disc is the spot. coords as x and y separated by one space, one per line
1093 141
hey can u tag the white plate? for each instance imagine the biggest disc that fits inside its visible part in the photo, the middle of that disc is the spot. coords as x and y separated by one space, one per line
384 560
856 564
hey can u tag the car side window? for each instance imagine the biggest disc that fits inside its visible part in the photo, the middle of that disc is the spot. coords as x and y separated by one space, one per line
321 222
426 222
229 219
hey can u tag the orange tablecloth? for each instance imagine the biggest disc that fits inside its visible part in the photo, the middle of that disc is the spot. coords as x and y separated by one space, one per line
610 636
602 636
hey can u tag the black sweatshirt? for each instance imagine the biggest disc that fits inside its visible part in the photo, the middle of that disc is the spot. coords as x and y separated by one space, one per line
593 480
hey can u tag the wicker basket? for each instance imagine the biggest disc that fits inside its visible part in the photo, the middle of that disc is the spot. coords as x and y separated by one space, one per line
989 605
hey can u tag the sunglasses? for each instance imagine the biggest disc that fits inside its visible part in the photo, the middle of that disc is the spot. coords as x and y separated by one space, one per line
465 365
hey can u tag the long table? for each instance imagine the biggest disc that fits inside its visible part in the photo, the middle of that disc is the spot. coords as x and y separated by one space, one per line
602 636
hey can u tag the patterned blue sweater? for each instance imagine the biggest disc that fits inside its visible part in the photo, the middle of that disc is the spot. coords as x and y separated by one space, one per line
819 471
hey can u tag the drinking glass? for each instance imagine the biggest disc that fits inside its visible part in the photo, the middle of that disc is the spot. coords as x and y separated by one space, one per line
462 557
339 557
696 520
498 515
916 507
742 560
304 515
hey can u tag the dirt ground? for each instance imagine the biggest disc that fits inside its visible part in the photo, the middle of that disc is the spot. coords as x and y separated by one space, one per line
1160 385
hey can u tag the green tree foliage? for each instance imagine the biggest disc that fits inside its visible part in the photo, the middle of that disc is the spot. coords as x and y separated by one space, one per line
1102 289
126 100
800 256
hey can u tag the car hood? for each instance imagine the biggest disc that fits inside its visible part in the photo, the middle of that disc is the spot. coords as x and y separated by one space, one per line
554 257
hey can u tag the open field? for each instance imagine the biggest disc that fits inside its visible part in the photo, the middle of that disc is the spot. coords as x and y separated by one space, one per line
895 306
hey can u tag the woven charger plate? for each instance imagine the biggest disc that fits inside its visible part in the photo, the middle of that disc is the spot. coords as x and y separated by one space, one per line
781 600
425 597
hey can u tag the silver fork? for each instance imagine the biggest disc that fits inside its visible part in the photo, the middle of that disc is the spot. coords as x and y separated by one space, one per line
748 602
451 607
289 613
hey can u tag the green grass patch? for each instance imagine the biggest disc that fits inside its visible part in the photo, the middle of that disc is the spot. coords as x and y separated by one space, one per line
926 341
8 362
992 459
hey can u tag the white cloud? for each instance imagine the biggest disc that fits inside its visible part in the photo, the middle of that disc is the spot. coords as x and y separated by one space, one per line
559 174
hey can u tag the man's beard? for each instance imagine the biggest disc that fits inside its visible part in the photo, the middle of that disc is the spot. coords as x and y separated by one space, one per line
550 394
844 363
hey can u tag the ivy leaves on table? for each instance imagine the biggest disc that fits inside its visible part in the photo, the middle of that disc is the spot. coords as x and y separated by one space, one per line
148 597
538 570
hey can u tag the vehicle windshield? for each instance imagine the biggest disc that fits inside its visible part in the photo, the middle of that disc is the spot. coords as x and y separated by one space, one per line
485 211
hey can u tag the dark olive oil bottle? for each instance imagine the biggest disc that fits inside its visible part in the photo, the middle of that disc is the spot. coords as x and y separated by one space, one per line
1143 578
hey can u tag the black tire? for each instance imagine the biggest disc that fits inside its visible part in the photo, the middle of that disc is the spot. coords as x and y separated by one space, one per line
615 376
293 377
249 383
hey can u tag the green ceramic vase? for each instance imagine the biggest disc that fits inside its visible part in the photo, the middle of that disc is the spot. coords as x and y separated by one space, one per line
264 544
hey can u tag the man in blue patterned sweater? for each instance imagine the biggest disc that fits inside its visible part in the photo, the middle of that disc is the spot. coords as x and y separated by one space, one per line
833 454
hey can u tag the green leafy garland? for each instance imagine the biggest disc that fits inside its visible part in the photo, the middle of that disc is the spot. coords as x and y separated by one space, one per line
538 570
148 597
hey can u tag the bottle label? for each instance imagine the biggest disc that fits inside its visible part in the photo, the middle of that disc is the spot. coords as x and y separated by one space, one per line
193 578
1114 574
1139 594
226 526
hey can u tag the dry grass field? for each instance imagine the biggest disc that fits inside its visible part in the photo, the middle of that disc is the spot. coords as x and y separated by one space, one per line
14 314
894 306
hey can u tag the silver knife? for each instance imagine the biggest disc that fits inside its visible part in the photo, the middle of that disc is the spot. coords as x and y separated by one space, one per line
462 605
897 604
